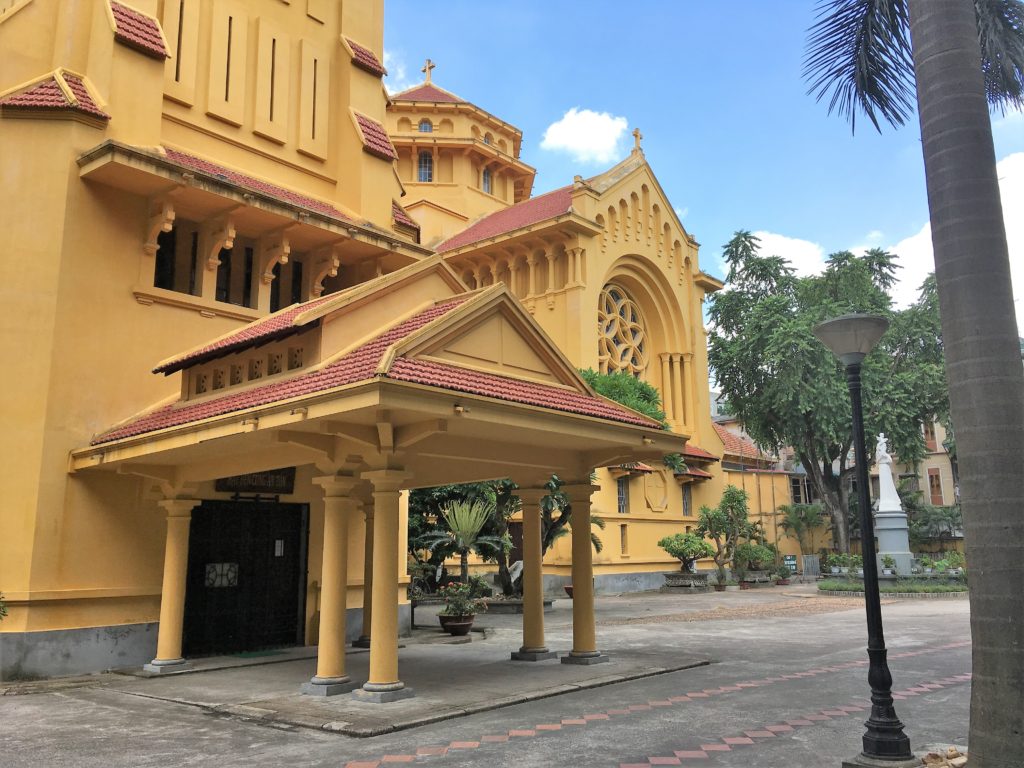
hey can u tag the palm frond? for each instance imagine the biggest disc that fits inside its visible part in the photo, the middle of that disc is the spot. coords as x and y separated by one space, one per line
1001 34
858 55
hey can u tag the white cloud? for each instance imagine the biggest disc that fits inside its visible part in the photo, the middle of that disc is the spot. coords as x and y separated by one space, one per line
917 258
805 257
682 212
588 136
397 78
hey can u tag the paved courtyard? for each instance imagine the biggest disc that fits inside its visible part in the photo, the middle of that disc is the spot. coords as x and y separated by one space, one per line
770 677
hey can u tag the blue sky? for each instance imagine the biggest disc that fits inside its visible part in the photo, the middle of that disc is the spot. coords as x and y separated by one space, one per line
716 89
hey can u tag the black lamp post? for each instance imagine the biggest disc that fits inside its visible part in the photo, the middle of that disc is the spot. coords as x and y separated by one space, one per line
851 338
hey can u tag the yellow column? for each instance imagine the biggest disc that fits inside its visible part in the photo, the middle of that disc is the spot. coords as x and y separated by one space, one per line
172 595
384 685
534 648
364 635
666 387
330 678
584 636
678 396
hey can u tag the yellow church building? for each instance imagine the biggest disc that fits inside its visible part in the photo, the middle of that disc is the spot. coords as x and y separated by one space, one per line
257 299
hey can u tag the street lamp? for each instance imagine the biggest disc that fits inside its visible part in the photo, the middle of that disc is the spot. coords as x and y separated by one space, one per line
851 338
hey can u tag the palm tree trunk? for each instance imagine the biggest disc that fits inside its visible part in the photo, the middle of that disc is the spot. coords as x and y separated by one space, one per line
464 566
986 385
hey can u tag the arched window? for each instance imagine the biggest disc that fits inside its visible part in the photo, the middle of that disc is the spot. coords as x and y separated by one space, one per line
622 333
426 166
485 182
426 126
488 138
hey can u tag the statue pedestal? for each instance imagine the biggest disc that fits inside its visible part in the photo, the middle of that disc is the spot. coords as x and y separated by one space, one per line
890 520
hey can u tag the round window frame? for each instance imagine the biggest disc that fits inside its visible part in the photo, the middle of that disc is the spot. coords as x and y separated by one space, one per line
623 338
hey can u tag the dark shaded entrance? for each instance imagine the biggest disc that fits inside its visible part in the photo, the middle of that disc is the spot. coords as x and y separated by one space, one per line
246 577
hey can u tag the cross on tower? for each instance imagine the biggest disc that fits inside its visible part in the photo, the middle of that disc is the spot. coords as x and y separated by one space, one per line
637 136
427 69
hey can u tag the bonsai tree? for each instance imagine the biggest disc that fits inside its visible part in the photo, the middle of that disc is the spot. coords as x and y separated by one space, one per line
752 556
687 548
725 525
465 519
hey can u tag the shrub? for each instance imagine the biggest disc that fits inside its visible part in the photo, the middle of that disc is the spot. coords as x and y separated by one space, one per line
459 600
783 572
751 556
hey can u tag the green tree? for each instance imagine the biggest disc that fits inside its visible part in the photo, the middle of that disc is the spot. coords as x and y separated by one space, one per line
725 525
799 521
686 548
556 515
464 523
788 389
959 56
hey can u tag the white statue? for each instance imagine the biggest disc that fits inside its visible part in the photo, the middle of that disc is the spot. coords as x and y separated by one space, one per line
881 455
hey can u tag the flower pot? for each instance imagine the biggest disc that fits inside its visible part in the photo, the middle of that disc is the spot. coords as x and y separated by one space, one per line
719 587
887 571
745 585
834 569
782 582
456 625
843 570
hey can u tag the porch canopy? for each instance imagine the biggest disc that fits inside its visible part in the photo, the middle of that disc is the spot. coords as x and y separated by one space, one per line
409 380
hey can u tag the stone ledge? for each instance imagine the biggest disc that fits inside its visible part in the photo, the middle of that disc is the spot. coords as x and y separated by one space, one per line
900 595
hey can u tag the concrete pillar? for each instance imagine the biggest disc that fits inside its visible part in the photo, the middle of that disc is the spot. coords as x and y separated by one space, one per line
330 678
384 685
364 634
666 387
172 594
678 395
584 635
534 648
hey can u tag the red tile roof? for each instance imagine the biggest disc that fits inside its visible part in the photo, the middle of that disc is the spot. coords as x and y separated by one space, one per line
49 95
361 365
401 216
138 31
523 214
693 452
278 324
694 472
251 182
366 59
739 446
427 92
375 138
635 466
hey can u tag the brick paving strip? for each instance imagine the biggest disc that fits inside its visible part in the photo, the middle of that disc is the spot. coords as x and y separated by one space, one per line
695 754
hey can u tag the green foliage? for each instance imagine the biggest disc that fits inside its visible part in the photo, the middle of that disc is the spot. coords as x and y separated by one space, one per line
859 57
3 607
464 521
627 390
783 572
888 561
686 547
556 514
725 525
459 600
799 521
901 585
789 390
751 556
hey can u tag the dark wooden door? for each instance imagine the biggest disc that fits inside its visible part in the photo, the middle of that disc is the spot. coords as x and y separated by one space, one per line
246 577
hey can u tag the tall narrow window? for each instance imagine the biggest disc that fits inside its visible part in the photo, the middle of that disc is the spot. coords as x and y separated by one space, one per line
316 67
426 126
426 166
193 263
929 436
935 486
275 288
246 297
486 181
622 491
687 501
166 256
296 282
177 44
273 75
624 539
227 67
224 276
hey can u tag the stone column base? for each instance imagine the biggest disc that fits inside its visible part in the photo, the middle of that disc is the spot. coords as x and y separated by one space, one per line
382 697
327 686
533 654
863 761
166 666
586 660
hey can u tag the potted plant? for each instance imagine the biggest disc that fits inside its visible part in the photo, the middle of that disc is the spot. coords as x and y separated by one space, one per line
460 607
857 564
687 548
751 561
832 562
956 563
782 574
927 564
888 565
844 563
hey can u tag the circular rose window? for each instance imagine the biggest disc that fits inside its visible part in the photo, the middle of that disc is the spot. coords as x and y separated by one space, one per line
622 335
